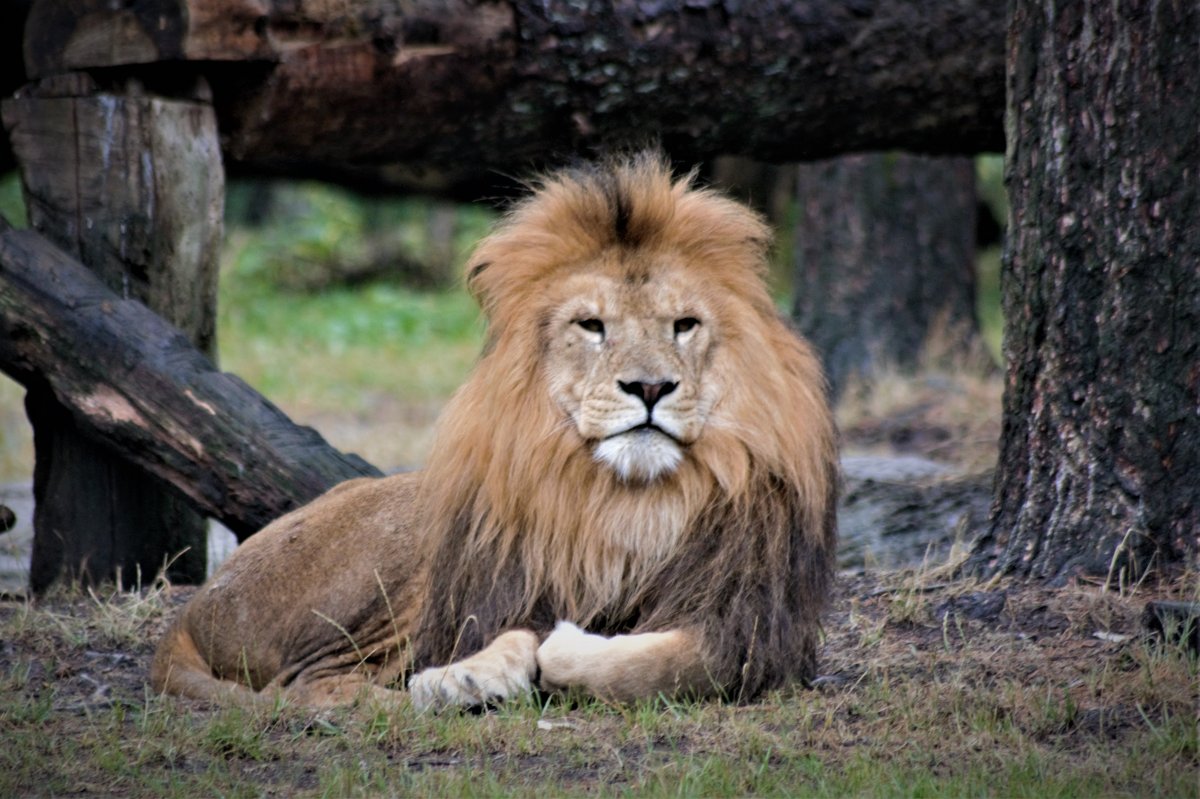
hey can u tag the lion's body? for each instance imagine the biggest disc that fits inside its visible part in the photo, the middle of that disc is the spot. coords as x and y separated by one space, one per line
644 451
274 614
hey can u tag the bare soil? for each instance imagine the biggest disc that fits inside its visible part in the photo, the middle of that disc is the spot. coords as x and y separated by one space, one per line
909 658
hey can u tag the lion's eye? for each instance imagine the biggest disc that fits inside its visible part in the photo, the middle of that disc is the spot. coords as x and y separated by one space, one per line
591 325
685 324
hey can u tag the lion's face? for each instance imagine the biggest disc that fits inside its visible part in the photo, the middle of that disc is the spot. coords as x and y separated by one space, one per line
627 356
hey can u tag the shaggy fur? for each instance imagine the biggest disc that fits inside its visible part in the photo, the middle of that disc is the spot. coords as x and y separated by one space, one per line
517 525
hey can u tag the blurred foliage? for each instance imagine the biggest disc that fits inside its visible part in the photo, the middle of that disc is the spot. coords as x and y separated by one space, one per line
12 204
987 300
989 184
16 438
781 269
382 348
334 349
306 227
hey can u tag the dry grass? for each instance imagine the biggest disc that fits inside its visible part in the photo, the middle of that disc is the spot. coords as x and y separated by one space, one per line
16 436
931 687
948 410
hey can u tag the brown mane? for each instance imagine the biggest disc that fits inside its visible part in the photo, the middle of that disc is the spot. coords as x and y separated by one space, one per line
738 541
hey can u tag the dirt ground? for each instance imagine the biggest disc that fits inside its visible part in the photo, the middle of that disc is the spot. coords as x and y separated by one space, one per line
908 656
910 622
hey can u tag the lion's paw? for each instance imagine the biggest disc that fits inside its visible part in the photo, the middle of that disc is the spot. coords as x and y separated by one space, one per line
502 671
458 685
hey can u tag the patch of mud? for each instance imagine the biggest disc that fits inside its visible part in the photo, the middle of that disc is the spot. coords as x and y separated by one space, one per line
899 511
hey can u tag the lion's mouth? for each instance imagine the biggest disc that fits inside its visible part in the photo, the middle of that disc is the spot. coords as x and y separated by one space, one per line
640 453
645 427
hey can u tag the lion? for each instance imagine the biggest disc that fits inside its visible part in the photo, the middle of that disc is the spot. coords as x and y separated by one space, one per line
631 496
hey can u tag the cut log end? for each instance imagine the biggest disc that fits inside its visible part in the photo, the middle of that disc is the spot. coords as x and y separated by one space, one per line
1174 623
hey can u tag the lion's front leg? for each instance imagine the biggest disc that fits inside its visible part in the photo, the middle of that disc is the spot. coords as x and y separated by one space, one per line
624 668
502 670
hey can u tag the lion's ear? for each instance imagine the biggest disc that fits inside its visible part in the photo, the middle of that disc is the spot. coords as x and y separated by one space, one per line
474 280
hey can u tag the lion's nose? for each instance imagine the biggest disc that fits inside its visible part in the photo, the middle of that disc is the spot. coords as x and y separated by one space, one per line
650 393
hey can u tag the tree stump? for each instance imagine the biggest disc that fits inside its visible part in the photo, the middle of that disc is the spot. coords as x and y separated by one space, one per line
884 261
131 185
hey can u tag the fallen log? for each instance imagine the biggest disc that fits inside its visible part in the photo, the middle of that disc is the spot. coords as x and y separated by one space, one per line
136 384
434 95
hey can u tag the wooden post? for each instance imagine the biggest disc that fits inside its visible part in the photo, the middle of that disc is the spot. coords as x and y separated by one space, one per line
132 185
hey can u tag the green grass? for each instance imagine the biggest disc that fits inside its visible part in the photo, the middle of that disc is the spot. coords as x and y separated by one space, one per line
154 748
369 366
339 349
987 300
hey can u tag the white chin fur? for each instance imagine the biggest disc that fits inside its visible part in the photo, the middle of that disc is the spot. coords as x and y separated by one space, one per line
639 455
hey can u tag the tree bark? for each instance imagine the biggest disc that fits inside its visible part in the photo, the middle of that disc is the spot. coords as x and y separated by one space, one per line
1100 448
447 93
885 262
132 186
135 383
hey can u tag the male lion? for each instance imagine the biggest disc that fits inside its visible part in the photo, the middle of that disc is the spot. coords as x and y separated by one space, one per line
632 495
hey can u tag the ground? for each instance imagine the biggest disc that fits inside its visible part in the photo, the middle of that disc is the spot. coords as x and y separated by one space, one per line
929 686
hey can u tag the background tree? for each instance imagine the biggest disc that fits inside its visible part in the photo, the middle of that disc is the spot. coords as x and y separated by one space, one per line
1101 288
884 252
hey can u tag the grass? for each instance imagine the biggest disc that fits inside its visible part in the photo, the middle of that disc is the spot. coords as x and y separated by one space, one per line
370 368
1029 704
948 410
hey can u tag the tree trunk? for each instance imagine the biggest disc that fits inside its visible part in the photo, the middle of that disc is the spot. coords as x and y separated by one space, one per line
440 255
132 186
768 188
885 262
1100 449
132 381
449 93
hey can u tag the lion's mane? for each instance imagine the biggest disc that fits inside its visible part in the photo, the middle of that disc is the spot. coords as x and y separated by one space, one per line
527 528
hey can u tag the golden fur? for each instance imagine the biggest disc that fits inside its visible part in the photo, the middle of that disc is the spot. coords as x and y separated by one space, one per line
690 534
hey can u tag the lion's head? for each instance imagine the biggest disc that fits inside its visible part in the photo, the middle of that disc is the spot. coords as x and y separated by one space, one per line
636 377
